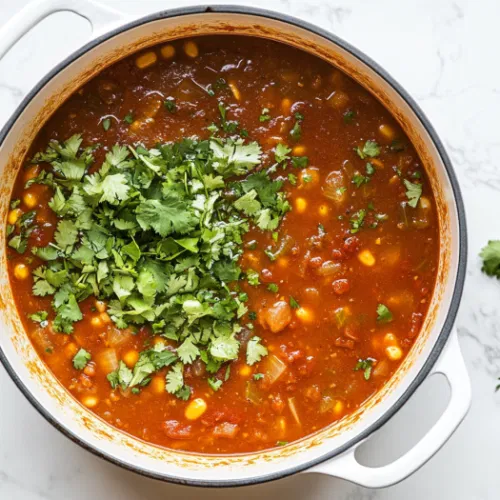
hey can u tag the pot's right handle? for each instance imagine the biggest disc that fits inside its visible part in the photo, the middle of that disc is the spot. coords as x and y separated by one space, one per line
452 366
99 16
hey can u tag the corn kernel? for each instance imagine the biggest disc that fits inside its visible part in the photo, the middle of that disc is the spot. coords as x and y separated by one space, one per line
366 258
323 210
30 200
390 339
130 358
146 60
309 177
338 408
100 306
167 51
191 49
195 409
394 353
286 105
21 271
158 385
387 132
378 241
300 205
96 321
305 315
14 215
90 401
245 371
105 317
234 90
282 262
299 150
71 349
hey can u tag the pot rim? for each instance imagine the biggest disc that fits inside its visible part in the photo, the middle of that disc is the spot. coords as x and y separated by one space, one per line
457 197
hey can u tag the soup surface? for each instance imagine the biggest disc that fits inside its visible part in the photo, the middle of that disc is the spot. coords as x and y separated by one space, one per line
222 245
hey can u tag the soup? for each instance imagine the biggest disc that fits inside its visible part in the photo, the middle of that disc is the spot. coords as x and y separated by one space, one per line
222 245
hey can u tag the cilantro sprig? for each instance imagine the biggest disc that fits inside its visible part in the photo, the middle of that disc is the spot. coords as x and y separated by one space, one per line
157 233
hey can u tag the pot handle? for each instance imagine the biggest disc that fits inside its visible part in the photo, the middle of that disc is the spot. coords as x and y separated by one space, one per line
99 16
451 365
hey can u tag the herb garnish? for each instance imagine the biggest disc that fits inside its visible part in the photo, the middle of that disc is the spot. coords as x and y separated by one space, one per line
366 365
383 314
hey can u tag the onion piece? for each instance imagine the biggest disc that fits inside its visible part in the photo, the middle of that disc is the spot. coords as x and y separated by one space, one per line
293 410
329 268
327 404
225 430
253 393
335 187
116 337
107 360
273 368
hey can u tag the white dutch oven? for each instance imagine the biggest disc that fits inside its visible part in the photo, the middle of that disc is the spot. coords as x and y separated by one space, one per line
332 450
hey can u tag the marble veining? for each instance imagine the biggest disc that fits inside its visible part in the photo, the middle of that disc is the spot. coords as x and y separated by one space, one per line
444 53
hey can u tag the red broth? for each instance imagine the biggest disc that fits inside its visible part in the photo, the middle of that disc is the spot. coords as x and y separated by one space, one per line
344 285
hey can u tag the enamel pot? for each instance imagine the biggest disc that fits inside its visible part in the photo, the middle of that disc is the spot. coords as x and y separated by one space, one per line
331 450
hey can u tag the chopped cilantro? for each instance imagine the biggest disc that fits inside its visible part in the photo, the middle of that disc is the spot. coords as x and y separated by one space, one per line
357 221
300 161
258 376
129 118
398 145
292 179
81 358
273 287
383 314
358 180
366 366
296 132
413 192
281 153
106 124
370 149
152 232
170 105
214 383
370 169
490 255
349 116
252 315
281 443
264 115
255 351
40 317
293 303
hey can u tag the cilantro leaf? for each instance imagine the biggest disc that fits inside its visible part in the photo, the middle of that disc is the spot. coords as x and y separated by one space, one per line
383 314
366 366
255 351
413 193
490 254
81 358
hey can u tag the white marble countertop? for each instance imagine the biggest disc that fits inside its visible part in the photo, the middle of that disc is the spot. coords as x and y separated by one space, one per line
444 54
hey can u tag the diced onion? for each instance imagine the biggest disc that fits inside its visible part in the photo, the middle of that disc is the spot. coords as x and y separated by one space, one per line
107 360
225 430
253 393
334 187
272 367
327 404
329 268
293 410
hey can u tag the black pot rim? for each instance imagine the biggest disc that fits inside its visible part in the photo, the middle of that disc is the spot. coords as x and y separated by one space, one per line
462 260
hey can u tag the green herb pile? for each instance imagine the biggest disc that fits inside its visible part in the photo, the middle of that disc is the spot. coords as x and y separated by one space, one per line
157 234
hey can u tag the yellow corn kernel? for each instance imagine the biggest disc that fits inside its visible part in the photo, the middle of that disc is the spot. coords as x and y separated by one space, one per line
130 358
146 60
105 317
96 321
393 352
234 90
158 385
281 423
300 205
387 132
195 409
299 150
21 271
286 105
282 262
323 210
90 401
14 215
338 408
309 177
30 200
390 339
71 349
191 49
245 371
167 51
305 315
378 241
100 306
366 258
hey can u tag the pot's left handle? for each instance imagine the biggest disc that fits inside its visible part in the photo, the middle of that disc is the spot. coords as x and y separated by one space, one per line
452 366
99 16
